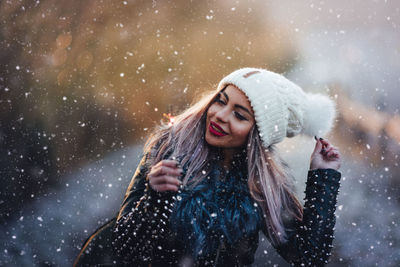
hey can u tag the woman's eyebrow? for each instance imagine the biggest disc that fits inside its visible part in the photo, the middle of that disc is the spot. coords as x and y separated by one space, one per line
237 105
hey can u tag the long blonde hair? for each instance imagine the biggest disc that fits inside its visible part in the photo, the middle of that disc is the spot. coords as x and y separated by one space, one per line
269 179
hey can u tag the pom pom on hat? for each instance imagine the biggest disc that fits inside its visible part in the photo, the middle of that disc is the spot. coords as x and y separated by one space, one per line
281 108
319 115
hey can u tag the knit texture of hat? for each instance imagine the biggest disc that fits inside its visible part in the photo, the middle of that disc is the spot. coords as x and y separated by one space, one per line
281 108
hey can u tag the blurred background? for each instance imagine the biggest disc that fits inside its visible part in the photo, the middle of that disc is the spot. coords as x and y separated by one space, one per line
82 83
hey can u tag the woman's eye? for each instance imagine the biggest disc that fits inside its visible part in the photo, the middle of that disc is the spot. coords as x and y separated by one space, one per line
237 114
240 117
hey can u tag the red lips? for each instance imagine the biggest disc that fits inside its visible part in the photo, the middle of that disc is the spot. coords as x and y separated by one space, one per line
216 129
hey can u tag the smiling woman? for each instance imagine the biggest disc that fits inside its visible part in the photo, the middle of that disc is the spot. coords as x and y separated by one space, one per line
208 183
229 120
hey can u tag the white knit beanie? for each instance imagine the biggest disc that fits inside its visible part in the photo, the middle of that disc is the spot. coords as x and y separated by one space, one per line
281 108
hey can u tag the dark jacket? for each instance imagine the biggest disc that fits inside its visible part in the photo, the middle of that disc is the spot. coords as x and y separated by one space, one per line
139 238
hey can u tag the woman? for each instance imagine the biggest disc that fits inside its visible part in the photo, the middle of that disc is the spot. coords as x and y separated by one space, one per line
210 181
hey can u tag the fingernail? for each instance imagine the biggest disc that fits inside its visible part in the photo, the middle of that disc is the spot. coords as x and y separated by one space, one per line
321 138
315 137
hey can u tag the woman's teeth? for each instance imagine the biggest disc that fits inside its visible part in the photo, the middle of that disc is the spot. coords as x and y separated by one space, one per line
216 128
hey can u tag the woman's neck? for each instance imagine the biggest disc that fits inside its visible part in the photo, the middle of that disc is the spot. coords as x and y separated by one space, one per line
229 156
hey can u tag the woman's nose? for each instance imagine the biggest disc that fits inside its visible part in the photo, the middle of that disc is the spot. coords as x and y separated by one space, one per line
222 114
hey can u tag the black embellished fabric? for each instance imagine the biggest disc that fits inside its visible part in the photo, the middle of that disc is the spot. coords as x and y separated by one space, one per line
310 241
139 231
143 235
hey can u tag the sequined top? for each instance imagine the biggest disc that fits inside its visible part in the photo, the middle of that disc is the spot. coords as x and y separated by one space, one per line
143 233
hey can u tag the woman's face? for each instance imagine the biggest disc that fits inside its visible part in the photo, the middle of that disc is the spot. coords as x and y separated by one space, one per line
229 119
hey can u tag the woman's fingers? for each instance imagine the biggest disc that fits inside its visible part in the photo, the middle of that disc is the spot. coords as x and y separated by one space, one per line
317 148
166 169
164 183
332 152
325 145
165 180
168 163
322 146
163 176
336 154
327 156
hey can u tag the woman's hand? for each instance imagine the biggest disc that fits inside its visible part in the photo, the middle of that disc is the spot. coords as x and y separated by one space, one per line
325 156
164 176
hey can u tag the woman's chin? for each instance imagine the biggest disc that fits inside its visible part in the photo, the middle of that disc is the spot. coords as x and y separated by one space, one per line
211 141
216 143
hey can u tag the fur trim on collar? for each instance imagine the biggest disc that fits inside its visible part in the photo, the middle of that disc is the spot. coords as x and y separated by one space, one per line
215 210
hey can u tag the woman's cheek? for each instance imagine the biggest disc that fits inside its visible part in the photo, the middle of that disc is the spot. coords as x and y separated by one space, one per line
242 131
211 111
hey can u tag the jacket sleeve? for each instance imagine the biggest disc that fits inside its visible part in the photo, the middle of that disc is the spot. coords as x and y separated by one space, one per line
140 220
122 232
136 187
309 242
